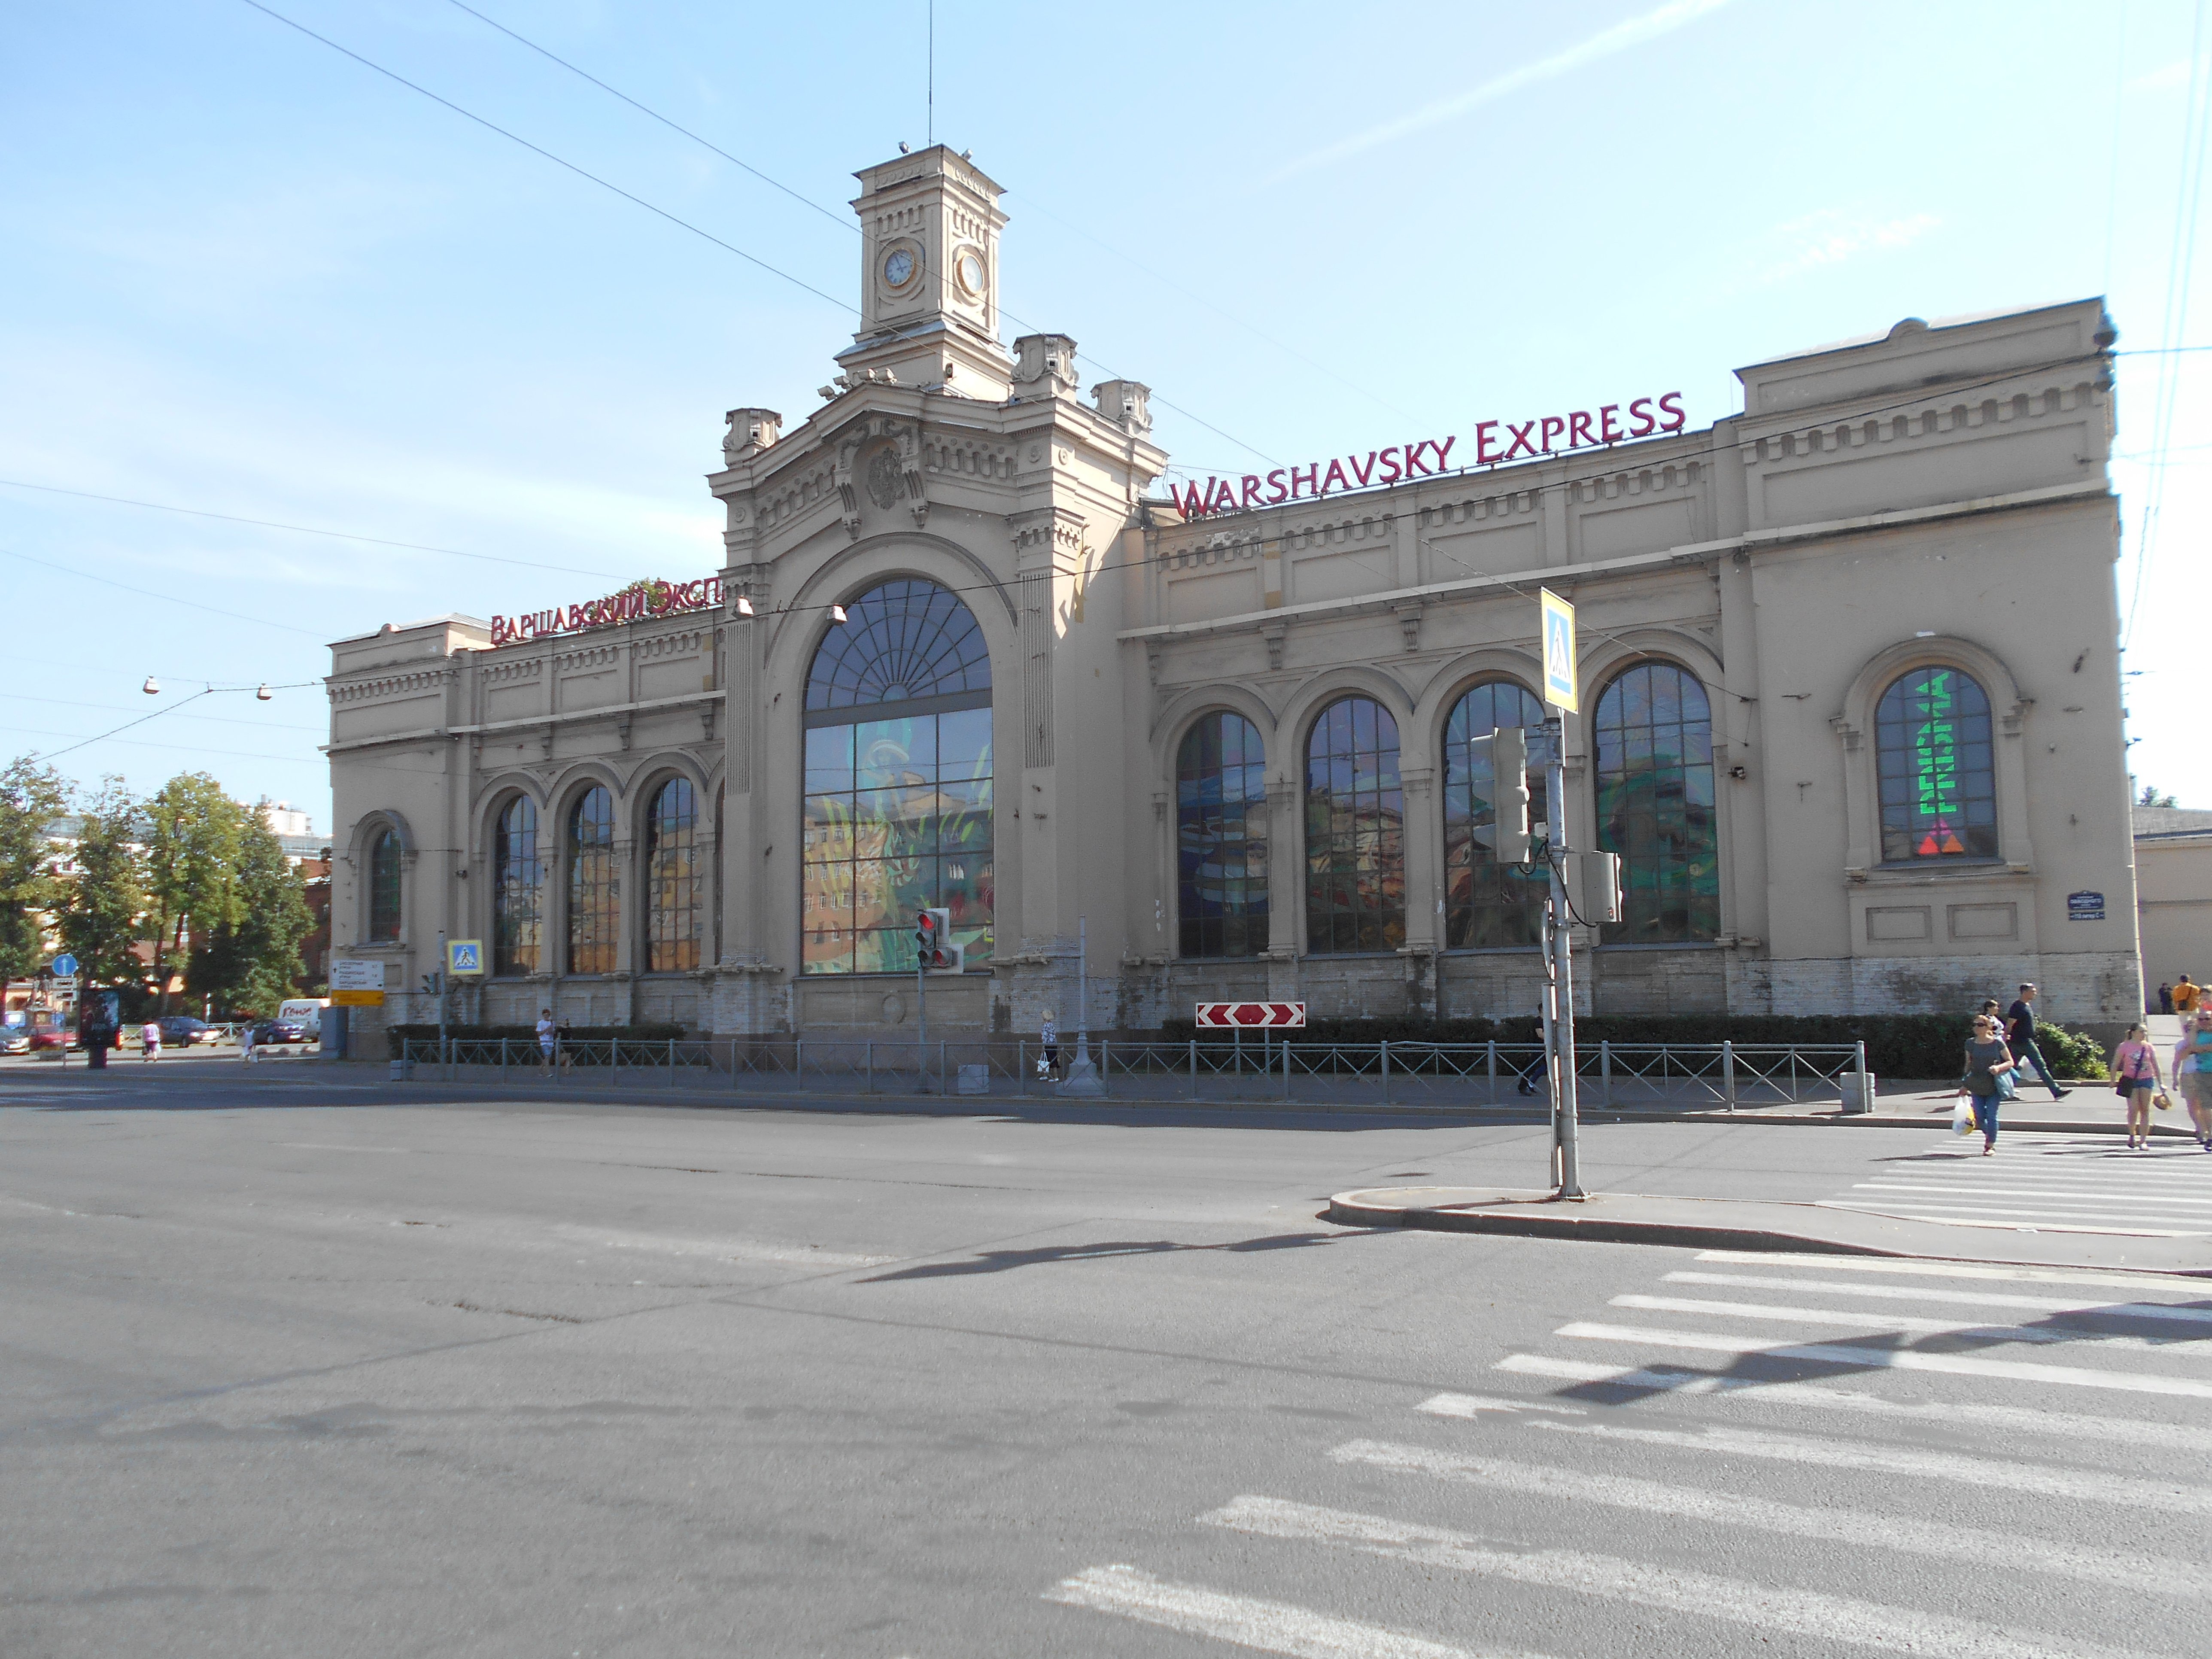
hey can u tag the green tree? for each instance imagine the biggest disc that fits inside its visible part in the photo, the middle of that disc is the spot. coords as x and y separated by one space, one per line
2152 797
194 840
31 796
253 963
100 916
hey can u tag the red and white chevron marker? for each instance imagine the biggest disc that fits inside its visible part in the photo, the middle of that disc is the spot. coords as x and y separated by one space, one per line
1254 1015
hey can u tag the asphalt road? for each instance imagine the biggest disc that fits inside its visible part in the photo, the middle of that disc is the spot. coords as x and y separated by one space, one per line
288 1368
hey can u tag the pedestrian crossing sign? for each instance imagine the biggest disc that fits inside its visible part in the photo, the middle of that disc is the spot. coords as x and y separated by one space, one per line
1558 651
464 956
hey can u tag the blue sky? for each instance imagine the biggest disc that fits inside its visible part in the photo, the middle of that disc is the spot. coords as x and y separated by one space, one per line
248 276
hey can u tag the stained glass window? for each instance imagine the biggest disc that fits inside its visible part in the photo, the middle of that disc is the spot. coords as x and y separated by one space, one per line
1487 904
517 888
1355 830
898 805
674 877
1654 731
1221 835
384 887
1933 754
594 886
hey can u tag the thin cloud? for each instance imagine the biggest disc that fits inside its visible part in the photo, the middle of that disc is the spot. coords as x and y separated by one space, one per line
1831 236
2163 79
1665 20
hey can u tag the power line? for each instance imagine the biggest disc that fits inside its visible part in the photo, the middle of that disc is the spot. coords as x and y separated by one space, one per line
166 598
215 720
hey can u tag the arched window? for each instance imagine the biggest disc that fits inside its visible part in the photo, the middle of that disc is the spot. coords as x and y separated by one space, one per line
517 893
674 879
384 887
1655 804
1355 830
594 886
1487 904
1221 838
898 798
1938 772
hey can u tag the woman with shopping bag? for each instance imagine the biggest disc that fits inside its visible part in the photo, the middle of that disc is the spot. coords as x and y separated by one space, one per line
1989 1078
2135 1072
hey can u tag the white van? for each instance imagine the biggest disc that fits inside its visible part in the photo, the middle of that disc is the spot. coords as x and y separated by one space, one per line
307 1013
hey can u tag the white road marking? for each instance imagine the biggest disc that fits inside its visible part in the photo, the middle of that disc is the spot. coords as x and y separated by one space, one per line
2028 1220
1900 1359
2175 1284
1269 1626
1474 1405
1823 1619
1973 1299
1981 1415
2001 1474
721 1250
2072 1196
1878 1319
1858 1529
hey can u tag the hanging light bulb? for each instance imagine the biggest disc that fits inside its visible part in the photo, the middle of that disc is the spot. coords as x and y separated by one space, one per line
837 615
152 688
264 693
744 605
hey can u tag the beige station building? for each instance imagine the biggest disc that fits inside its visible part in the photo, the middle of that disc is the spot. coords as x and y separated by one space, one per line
1849 701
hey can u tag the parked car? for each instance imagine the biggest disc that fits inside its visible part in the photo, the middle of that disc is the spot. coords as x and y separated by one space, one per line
186 1031
276 1031
14 1039
307 1013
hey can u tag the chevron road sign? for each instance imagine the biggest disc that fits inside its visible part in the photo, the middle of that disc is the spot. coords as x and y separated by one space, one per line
1257 1016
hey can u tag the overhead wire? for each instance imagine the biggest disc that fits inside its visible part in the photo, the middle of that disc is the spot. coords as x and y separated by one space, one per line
169 598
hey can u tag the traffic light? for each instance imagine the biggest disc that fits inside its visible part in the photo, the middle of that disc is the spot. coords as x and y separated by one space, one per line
1508 762
1594 885
932 943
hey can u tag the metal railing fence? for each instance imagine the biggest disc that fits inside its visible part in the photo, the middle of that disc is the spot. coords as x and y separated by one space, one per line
1401 1073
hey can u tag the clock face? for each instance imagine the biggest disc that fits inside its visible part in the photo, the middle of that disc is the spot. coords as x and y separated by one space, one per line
898 269
971 273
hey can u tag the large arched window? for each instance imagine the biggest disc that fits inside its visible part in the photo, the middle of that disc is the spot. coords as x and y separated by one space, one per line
1655 804
674 879
1937 769
1355 830
1221 839
594 886
1487 904
898 797
518 894
384 886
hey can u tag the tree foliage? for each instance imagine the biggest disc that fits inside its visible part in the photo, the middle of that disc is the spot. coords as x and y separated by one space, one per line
31 796
101 916
251 961
195 843
2152 797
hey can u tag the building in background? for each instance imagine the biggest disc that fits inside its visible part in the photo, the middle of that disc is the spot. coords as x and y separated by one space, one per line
2173 892
1850 700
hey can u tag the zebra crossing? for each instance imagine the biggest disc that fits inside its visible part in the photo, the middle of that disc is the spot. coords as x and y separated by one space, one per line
2046 1183
1735 1457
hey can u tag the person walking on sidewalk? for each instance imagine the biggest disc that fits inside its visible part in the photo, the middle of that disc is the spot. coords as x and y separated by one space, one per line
1989 1074
2192 1073
546 1034
2135 1065
2020 1032
246 1040
1048 1050
2165 998
2185 995
149 1041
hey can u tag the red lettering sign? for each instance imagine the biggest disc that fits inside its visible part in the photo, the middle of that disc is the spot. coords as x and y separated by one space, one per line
637 602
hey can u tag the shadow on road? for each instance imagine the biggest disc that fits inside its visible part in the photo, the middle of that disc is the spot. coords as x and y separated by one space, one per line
999 1261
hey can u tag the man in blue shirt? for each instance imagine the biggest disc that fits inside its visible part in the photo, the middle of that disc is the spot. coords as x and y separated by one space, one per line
2019 1035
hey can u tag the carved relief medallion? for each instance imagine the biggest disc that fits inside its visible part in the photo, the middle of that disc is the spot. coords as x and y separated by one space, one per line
884 478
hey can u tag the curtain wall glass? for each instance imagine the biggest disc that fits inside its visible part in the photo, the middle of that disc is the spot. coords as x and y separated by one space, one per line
1654 733
594 886
1355 830
1221 838
517 893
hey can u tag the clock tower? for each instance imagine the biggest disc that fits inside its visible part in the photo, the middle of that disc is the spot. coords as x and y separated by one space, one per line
929 276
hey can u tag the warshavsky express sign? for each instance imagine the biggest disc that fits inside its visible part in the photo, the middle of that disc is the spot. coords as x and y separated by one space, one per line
636 603
1494 441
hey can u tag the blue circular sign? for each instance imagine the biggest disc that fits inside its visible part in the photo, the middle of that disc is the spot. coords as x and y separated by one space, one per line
65 965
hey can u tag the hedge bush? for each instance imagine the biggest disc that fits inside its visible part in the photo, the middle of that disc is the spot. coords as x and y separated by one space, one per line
527 1034
1898 1045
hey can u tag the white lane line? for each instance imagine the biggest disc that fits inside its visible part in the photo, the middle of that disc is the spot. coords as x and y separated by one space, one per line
1474 1405
2071 1196
1973 1299
1879 1319
2174 1284
1898 1359
1984 1418
1824 1619
2031 1220
1857 1528
1999 1475
1268 1627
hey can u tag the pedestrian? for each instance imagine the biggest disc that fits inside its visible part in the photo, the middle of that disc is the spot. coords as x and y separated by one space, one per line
562 1053
1987 1077
2185 993
548 1035
2165 998
2135 1071
2192 1073
246 1040
149 1041
1049 1049
2019 1033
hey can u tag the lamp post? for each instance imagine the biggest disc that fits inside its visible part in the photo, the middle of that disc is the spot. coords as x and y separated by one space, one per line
1083 1076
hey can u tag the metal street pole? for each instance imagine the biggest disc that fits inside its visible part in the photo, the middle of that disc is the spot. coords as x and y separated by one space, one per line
1562 962
1082 1076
